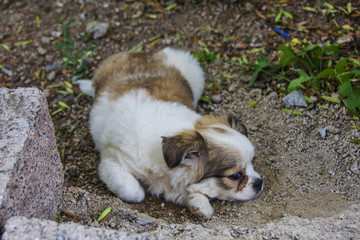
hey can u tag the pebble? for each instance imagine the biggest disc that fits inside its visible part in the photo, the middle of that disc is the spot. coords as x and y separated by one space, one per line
254 93
7 72
45 40
51 67
98 29
51 76
295 98
41 51
249 7
232 88
271 96
314 99
216 98
322 132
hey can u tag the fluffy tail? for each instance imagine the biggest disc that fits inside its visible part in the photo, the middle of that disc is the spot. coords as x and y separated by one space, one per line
86 87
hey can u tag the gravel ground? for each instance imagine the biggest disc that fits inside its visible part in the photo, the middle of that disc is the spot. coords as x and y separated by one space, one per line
304 174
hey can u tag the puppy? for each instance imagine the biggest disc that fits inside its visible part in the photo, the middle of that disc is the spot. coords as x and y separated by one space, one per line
149 136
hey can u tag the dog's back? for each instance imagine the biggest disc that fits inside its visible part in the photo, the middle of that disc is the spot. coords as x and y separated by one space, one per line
169 75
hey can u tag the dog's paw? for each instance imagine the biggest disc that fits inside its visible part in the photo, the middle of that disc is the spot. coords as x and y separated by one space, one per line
200 206
134 195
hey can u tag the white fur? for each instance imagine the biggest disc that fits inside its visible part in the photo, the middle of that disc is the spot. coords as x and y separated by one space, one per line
189 68
86 87
134 142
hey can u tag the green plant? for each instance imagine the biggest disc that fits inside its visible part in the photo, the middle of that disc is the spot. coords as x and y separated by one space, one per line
73 54
318 72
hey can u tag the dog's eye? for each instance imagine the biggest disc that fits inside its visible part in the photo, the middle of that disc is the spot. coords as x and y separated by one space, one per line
236 176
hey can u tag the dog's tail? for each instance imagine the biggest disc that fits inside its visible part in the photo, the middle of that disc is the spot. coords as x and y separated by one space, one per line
86 87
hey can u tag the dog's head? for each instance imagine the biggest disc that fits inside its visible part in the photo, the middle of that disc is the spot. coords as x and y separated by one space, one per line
217 157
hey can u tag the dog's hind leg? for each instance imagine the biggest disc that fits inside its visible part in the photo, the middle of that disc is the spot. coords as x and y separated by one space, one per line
119 181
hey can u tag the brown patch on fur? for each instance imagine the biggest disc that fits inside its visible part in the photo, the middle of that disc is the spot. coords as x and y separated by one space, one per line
220 160
219 130
123 72
188 145
228 120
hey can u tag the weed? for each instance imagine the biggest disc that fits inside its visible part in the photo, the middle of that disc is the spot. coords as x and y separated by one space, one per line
73 54
315 69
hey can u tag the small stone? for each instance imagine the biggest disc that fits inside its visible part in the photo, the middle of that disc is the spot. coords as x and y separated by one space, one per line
249 7
254 93
6 71
45 40
322 132
314 99
295 98
232 88
52 67
271 96
41 51
98 29
51 76
216 98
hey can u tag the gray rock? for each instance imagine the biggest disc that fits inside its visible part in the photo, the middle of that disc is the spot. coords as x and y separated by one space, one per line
41 51
45 40
314 99
216 98
322 132
17 228
7 72
295 98
31 173
51 76
98 29
343 226
52 67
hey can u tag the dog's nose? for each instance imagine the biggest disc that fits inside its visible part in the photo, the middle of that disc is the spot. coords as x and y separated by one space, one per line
257 185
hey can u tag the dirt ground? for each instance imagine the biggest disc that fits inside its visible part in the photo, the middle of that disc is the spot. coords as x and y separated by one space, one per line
304 174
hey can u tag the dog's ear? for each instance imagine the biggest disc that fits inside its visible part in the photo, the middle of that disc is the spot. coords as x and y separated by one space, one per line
187 148
236 124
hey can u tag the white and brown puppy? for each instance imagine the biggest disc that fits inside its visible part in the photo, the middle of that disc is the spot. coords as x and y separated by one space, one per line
149 136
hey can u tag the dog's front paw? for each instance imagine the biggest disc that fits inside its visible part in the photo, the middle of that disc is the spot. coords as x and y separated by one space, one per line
200 206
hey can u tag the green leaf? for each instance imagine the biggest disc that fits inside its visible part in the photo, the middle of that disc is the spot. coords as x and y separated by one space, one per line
56 111
303 77
204 56
348 6
287 57
355 141
252 103
331 99
310 9
136 48
287 14
327 73
63 105
171 6
23 43
254 77
6 47
285 110
104 213
278 16
341 65
351 96
68 84
152 16
260 66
